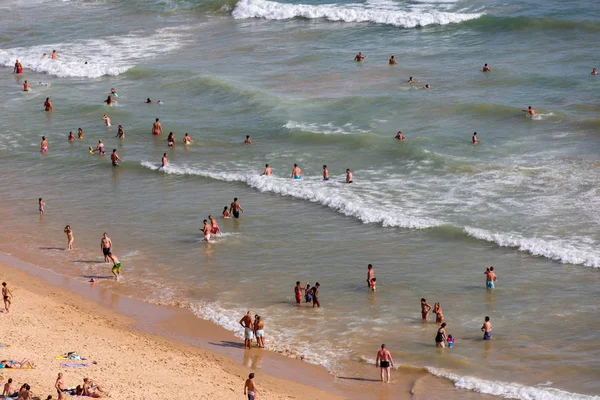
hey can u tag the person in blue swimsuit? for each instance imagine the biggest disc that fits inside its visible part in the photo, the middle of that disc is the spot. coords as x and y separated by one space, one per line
325 173
296 172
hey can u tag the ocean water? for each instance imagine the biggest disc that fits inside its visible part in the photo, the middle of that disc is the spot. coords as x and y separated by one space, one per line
429 212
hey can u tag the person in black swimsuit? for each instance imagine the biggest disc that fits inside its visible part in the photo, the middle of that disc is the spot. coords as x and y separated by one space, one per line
235 208
440 338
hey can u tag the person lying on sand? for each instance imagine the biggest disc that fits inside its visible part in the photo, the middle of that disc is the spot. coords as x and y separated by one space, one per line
16 365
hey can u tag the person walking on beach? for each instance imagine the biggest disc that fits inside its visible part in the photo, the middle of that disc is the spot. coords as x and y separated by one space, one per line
114 157
105 246
42 204
474 138
259 331
370 274
530 111
425 308
48 105
384 361
268 171
440 338
296 172
250 387
487 329
490 278
59 386
315 295
206 231
325 173
70 237
246 322
156 128
7 296
235 208
116 269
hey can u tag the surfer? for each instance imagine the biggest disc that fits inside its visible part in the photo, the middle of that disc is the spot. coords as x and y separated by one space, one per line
400 136
348 176
235 208
48 105
164 160
474 138
359 57
385 361
247 141
325 173
156 127
296 172
529 111
26 86
486 68
267 171
114 157
392 61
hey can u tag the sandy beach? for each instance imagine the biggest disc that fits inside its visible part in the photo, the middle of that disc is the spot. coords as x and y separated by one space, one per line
46 321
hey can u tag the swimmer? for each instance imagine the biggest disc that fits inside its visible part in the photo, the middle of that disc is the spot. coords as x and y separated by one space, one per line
164 160
359 57
148 101
487 329
348 175
105 246
187 140
235 208
400 136
106 120
18 68
206 231
426 86
384 359
114 157
171 139
325 173
157 128
267 171
116 269
486 68
370 274
42 204
48 105
247 141
43 56
392 61
215 226
113 92
474 138
120 132
296 172
44 145
80 133
26 86
529 111
490 278
54 55
425 308
109 101
70 237
411 80
71 136
100 148
225 213
594 72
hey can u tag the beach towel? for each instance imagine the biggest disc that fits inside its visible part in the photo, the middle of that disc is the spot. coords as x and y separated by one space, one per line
74 365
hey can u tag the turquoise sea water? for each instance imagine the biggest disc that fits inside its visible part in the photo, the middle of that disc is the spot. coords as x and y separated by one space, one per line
430 212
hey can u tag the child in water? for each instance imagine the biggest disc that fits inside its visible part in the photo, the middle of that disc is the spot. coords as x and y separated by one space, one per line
225 213
450 341
373 283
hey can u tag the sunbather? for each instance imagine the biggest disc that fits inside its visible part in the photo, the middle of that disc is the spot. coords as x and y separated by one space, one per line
16 365
96 391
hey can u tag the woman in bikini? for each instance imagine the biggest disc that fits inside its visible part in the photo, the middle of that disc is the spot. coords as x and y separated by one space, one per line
44 145
439 316
70 237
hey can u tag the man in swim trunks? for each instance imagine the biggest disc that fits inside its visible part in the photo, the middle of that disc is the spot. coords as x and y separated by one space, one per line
400 136
235 208
359 57
425 308
298 292
156 127
384 361
325 173
348 175
105 246
474 138
214 224
529 111
54 55
114 157
26 86
164 160
392 61
247 141
116 269
60 386
48 105
250 387
487 329
206 231
296 172
7 296
268 171
315 295
187 139
490 278
486 68
42 204
246 322
370 274
9 389
259 331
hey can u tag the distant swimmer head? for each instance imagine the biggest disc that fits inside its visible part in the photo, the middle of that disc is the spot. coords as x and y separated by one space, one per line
295 165
267 165
114 150
383 346
474 133
423 300
247 136
148 100
43 137
156 119
529 107
443 325
370 266
164 154
347 169
225 208
85 63
392 57
317 284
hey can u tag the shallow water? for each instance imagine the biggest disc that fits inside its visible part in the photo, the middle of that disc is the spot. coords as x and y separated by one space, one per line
430 212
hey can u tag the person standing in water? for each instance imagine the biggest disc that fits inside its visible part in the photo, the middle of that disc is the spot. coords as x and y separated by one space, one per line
171 139
384 361
206 231
225 213
71 136
42 204
106 120
400 136
486 68
296 172
440 338
187 140
298 292
214 225
348 176
370 274
235 208
109 101
116 269
105 246
490 278
26 86
474 138
246 323
439 314
325 173
44 145
268 171
530 111
120 132
114 157
259 331
18 68
359 57
425 308
156 128
247 141
594 72
392 61
487 329
70 237
315 295
48 105
80 133
54 55
164 161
